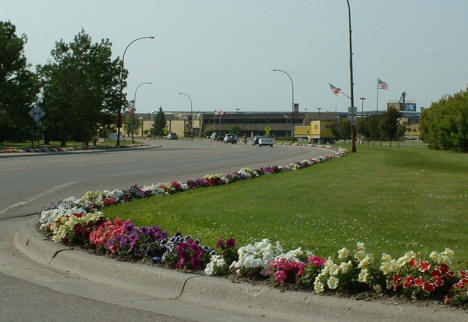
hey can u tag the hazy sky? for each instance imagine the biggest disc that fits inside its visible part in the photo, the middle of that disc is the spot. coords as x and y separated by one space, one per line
222 52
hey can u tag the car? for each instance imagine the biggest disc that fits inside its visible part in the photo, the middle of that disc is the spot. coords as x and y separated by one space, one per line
215 136
114 136
265 141
255 139
230 138
172 136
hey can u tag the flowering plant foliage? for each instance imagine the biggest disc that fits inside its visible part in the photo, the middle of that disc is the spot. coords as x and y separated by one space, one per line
225 255
75 229
186 253
254 258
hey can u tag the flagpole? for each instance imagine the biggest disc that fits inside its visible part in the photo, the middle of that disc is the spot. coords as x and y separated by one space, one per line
377 96
351 81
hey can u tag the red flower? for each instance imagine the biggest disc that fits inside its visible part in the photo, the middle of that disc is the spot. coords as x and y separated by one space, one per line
443 268
424 267
412 262
438 281
446 299
436 274
408 282
462 274
419 281
396 280
428 287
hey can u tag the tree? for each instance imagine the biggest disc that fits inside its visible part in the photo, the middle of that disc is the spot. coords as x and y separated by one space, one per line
341 129
18 85
132 124
444 125
373 127
81 87
389 125
235 130
159 123
363 128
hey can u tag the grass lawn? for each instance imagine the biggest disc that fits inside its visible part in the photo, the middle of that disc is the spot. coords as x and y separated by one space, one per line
21 145
393 200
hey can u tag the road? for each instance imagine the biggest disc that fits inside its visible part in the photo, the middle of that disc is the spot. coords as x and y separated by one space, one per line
30 292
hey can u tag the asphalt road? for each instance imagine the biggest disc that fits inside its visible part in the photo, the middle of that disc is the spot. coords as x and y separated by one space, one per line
30 292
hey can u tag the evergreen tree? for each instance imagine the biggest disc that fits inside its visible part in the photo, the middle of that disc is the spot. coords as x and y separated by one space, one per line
159 123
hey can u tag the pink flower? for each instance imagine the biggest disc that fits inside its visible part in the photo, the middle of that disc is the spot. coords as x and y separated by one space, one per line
281 276
316 261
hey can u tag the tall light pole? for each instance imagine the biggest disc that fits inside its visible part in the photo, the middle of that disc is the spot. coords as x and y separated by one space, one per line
292 97
353 114
134 106
191 118
320 127
119 112
362 105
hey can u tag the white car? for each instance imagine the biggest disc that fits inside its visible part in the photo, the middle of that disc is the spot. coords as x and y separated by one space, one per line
265 141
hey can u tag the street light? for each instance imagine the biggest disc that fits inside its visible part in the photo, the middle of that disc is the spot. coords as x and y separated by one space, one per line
191 118
353 124
320 127
134 106
292 96
362 105
119 112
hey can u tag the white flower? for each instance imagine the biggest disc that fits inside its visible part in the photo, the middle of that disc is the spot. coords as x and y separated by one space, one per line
318 286
344 267
363 276
377 288
360 245
343 253
332 283
435 256
365 261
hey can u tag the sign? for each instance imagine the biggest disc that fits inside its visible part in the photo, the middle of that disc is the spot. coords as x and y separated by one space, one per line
36 113
267 131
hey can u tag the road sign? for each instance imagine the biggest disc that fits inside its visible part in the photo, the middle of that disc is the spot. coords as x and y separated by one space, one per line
267 131
36 113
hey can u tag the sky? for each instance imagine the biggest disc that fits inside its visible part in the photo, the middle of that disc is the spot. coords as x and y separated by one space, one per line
222 52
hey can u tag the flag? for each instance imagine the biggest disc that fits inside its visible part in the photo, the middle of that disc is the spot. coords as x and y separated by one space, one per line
216 113
381 84
285 116
334 89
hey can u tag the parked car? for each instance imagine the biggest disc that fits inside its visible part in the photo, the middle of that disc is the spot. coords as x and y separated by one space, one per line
114 136
265 141
172 136
215 136
255 139
230 138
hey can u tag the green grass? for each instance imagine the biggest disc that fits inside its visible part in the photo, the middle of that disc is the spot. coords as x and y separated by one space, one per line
394 200
21 145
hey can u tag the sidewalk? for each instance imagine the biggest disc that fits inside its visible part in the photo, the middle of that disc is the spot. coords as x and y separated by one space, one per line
181 290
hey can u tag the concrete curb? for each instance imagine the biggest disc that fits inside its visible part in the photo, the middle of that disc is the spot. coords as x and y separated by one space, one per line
216 293
35 154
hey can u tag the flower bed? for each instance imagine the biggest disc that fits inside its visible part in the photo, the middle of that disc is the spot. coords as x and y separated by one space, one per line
80 222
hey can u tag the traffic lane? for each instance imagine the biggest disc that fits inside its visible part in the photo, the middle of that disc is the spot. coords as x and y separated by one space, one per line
55 178
24 301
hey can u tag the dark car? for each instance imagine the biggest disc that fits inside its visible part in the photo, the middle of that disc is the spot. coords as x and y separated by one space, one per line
172 136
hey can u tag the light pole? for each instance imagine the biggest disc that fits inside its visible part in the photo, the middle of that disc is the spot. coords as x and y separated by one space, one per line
119 112
320 127
353 114
190 121
134 105
362 106
292 97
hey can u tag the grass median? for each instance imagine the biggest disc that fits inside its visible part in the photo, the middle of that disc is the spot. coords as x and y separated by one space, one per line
392 199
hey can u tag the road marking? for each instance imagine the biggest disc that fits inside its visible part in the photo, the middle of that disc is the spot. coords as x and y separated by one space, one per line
42 194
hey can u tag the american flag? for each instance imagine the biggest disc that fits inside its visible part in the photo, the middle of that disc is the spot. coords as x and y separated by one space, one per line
334 89
381 84
285 116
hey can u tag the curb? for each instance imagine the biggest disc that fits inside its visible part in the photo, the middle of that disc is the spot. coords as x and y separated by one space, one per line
217 293
32 154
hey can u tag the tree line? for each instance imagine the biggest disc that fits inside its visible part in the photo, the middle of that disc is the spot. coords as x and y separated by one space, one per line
382 127
78 88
